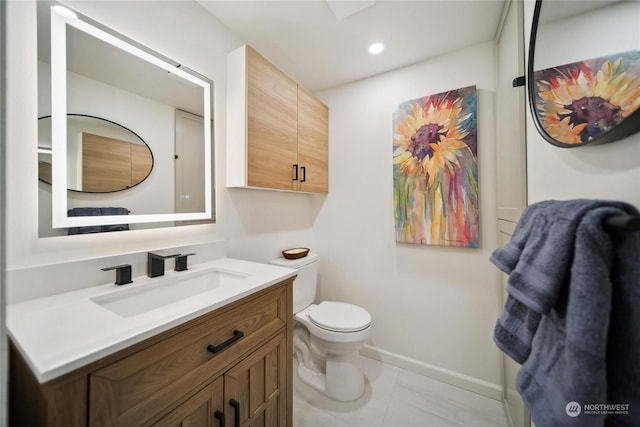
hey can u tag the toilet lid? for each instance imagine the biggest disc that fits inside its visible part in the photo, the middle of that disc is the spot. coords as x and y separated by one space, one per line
340 317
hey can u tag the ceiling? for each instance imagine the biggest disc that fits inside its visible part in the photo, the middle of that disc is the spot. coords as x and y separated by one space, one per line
323 44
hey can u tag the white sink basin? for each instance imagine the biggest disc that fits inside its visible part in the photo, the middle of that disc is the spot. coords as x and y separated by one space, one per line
159 292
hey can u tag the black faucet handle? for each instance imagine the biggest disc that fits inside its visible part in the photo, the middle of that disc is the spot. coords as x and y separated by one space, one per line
159 256
155 263
123 273
181 262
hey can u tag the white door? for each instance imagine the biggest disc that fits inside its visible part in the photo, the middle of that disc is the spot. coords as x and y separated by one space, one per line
189 163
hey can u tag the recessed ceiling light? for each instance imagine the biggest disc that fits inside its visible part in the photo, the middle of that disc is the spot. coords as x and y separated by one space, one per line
61 10
376 48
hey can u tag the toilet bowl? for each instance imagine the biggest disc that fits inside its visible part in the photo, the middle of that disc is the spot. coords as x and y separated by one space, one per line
327 337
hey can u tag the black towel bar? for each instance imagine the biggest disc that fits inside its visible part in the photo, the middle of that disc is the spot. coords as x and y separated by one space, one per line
624 222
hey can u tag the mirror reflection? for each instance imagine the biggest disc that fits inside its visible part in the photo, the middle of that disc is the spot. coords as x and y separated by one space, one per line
584 71
102 156
100 73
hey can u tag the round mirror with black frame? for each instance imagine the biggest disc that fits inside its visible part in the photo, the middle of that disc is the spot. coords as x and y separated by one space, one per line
102 156
583 72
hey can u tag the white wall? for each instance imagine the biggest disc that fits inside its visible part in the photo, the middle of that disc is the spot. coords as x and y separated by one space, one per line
435 305
607 171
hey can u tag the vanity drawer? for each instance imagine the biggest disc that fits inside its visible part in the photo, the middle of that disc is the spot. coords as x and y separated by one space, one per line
135 389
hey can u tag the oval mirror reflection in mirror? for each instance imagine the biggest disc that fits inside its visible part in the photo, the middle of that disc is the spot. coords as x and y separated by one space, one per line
102 156
584 71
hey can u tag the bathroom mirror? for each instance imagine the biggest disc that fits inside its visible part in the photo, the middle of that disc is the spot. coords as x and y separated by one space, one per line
102 156
584 71
88 69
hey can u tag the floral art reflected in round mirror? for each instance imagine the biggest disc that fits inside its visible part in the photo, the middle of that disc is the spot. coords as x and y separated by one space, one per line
584 71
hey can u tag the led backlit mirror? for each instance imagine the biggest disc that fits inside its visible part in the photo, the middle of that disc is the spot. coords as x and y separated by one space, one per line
584 71
87 69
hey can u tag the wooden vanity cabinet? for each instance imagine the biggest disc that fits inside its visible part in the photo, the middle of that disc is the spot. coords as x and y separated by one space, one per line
174 378
277 132
200 410
252 391
253 388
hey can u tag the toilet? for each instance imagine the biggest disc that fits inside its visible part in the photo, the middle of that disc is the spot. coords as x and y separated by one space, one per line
328 336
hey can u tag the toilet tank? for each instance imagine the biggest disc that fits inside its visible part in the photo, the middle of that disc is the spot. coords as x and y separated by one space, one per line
306 284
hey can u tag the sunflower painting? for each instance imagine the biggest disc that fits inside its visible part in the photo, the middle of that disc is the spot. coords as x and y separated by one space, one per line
581 101
435 170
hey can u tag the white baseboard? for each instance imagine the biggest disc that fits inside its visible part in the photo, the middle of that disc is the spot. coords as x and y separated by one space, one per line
507 413
466 382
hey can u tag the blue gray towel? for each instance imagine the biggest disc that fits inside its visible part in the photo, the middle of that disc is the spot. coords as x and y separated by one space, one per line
572 317
114 211
84 212
91 211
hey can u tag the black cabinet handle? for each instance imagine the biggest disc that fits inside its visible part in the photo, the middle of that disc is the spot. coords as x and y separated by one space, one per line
220 417
304 173
218 348
295 172
236 414
519 81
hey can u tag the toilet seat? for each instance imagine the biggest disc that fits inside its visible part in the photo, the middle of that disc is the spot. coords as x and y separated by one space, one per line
340 317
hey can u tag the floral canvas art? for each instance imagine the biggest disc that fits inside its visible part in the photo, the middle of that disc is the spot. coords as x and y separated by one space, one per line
581 101
435 170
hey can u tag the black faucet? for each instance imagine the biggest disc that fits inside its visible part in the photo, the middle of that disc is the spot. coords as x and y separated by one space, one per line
155 263
181 262
123 273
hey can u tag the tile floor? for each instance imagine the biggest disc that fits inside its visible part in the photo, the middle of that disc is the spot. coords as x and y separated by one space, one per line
395 397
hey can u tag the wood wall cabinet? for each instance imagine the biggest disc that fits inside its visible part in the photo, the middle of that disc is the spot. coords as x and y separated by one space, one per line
313 143
176 378
277 132
110 164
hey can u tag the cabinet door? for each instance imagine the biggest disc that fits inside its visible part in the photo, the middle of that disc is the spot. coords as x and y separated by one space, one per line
313 143
255 389
272 125
106 163
203 410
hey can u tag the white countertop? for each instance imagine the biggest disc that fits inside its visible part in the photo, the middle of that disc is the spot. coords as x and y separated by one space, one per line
63 332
